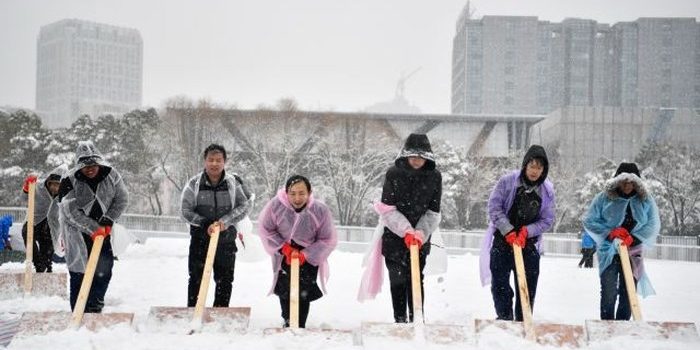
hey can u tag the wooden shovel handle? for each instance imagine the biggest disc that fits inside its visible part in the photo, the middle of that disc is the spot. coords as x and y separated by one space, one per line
629 283
294 291
28 262
206 276
415 284
80 303
522 289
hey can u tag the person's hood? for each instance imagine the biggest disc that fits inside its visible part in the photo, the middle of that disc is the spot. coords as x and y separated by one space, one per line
535 152
626 172
282 197
56 173
87 154
417 145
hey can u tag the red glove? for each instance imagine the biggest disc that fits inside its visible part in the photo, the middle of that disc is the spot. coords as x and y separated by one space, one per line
103 231
622 234
287 251
411 238
301 257
519 237
29 180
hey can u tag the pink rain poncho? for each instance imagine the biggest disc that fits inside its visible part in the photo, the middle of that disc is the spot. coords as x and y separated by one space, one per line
312 228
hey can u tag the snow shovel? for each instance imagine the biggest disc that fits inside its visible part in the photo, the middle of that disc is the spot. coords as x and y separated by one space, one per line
338 335
418 331
543 333
225 319
28 283
603 329
35 323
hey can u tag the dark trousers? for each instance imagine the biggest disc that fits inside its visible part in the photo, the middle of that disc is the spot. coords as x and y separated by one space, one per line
100 281
304 307
587 257
224 264
612 286
401 289
502 264
43 246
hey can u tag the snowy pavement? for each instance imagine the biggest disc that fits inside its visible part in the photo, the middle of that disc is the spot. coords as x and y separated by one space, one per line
155 274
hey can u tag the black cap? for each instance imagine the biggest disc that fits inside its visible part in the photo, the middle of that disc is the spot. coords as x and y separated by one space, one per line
630 168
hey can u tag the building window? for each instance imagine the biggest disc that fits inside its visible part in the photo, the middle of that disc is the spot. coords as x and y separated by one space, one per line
509 70
667 41
508 101
509 85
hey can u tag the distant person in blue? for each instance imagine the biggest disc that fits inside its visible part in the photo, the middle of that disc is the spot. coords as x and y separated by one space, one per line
587 250
5 224
624 213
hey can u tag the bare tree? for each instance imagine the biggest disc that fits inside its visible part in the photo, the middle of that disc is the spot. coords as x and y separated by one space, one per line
351 175
272 144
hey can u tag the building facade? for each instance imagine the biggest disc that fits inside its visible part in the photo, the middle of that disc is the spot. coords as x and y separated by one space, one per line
583 137
87 68
516 64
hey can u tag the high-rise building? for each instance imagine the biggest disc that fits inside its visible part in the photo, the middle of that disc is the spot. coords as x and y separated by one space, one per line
87 68
507 64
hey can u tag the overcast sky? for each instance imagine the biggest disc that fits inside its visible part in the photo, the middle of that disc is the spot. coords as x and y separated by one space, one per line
343 55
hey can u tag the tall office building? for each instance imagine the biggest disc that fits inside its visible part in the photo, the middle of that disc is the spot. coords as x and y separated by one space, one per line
87 68
506 64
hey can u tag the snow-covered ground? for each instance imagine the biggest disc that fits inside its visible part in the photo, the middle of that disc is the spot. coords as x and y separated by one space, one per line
155 274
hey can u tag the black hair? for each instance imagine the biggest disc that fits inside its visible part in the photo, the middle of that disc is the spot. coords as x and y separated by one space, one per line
213 148
295 179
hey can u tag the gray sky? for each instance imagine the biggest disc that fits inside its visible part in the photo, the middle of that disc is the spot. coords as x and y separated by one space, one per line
342 55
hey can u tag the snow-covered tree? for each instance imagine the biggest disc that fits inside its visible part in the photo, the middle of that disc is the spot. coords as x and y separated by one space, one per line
272 145
466 184
677 169
574 197
22 145
351 176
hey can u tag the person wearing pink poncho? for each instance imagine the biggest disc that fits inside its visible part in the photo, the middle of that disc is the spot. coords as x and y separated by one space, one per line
293 221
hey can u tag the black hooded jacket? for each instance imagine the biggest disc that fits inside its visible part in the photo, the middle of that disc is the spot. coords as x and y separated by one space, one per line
412 191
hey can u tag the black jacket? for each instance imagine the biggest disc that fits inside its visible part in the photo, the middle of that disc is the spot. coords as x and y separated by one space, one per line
413 192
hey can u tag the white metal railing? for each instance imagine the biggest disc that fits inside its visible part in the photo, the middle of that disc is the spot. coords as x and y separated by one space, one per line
355 238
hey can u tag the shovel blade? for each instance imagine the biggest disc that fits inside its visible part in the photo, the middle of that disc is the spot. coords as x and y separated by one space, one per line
554 334
598 330
43 284
9 324
37 323
337 336
214 319
432 333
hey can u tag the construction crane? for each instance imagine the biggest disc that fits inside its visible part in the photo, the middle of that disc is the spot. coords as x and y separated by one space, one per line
401 84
